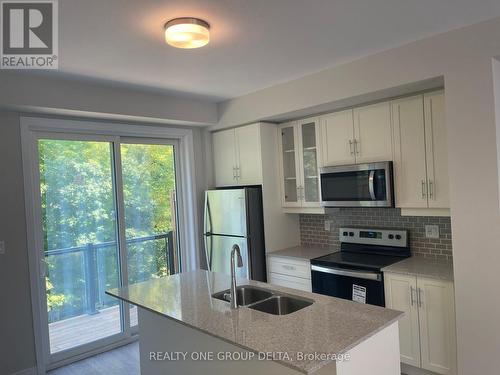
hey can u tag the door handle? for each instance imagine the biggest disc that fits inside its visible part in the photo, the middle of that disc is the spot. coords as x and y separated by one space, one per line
43 268
371 185
412 300
343 272
419 297
424 189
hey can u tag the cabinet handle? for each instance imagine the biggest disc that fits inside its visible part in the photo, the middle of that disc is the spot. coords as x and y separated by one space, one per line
234 173
238 172
287 267
412 300
424 189
419 295
357 150
431 189
350 147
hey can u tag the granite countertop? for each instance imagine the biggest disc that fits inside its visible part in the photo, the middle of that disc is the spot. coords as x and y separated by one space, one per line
302 252
420 266
329 325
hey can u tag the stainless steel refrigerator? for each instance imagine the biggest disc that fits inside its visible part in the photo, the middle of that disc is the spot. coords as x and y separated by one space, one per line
234 216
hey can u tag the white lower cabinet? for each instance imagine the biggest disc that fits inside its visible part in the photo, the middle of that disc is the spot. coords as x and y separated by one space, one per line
427 331
290 273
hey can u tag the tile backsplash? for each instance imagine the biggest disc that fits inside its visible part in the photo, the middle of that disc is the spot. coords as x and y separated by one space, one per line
313 233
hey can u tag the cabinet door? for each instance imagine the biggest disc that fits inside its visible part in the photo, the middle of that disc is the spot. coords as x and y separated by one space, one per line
309 173
337 133
437 325
248 155
409 156
372 133
289 162
290 282
401 294
224 150
437 150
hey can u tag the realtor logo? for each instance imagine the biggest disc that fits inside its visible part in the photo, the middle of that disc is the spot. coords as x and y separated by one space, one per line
29 35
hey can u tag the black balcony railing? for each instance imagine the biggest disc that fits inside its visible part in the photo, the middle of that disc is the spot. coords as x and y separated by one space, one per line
93 278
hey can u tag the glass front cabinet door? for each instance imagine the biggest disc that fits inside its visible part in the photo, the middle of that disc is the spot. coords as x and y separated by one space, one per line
298 154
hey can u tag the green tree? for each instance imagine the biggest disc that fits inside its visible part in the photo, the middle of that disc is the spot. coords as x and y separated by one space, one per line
79 207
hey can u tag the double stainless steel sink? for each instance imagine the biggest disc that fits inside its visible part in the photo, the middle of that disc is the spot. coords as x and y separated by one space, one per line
264 300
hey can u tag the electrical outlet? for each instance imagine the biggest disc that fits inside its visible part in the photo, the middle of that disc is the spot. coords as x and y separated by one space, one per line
327 225
432 231
2 247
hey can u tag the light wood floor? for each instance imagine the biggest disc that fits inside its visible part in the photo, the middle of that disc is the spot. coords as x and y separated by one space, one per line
121 361
69 333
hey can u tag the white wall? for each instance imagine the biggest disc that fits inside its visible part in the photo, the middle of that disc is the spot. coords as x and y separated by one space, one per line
17 348
41 93
464 58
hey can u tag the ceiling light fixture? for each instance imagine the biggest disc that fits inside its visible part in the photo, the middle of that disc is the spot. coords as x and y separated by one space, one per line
187 32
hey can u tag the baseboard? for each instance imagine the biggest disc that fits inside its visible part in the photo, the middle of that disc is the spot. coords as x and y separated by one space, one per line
411 370
26 371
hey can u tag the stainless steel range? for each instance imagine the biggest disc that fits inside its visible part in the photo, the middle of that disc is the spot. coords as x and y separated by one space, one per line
354 272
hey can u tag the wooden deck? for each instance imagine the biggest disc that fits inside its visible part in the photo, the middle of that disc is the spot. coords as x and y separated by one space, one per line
69 333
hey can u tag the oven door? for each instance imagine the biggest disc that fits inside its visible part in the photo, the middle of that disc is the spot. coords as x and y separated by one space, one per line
357 185
368 286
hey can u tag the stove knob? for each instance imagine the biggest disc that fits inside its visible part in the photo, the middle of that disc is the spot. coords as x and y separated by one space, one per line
351 234
391 236
398 236
345 233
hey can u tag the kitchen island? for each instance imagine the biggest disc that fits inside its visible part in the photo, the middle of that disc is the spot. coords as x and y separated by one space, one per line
184 330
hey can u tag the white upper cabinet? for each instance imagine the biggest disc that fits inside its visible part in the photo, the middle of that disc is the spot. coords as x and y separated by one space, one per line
420 157
289 160
224 150
237 156
373 133
362 135
337 134
437 150
299 159
248 155
409 156
309 161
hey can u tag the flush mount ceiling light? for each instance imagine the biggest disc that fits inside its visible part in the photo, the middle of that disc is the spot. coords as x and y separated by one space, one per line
187 32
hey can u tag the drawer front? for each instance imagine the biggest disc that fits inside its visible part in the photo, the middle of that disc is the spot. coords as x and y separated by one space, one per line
290 267
290 282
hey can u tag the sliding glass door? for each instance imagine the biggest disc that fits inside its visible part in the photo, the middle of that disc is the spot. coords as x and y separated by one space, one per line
149 186
80 232
108 218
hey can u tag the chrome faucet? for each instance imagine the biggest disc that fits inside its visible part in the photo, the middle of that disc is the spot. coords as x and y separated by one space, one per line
233 297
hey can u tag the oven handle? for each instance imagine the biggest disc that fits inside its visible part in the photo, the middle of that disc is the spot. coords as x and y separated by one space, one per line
342 272
371 186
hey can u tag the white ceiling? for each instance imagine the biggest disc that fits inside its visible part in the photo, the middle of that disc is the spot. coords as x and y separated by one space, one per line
254 43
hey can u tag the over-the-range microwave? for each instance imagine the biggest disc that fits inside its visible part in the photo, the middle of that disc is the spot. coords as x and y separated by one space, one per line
357 185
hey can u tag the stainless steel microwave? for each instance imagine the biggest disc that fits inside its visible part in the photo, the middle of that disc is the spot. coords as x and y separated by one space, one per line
357 185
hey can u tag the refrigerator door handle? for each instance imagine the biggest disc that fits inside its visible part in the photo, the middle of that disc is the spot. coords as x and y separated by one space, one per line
208 251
